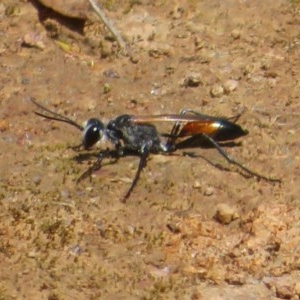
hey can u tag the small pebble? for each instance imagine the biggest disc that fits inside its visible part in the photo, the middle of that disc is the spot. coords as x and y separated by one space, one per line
225 214
110 73
197 185
37 179
192 80
285 291
134 58
177 12
32 254
230 86
34 40
76 250
158 50
106 88
236 279
236 34
95 199
4 125
217 91
209 191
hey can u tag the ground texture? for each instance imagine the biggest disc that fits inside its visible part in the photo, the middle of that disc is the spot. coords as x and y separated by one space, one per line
189 230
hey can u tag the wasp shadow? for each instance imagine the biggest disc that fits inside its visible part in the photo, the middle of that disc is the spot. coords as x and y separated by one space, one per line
202 142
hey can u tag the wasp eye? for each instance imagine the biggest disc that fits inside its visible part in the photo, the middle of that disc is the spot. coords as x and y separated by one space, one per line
92 133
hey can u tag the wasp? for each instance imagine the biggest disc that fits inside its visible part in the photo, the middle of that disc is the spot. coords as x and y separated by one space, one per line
137 135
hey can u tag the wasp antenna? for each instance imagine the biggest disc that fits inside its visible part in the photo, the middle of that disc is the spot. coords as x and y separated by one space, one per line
54 116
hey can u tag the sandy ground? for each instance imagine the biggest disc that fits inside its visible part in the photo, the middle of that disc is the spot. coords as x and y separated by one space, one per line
189 230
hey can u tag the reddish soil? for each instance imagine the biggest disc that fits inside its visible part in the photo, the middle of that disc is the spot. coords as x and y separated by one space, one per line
189 230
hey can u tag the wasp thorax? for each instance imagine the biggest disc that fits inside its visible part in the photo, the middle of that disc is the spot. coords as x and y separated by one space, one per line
92 133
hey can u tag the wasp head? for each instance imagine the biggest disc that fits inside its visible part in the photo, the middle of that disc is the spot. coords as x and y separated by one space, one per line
92 133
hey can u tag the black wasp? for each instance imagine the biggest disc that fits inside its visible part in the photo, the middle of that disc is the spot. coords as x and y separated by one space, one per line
138 136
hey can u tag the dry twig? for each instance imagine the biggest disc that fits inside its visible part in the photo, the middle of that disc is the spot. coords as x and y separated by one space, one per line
108 24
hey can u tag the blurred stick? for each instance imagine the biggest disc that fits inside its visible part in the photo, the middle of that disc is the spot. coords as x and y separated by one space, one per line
108 24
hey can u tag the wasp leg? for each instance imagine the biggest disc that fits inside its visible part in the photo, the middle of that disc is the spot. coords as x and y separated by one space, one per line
176 127
175 131
97 165
234 162
143 160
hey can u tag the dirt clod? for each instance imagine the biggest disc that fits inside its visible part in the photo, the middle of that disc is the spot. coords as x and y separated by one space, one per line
225 214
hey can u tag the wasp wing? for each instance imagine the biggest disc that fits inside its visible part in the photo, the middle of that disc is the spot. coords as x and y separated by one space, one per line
191 124
171 118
